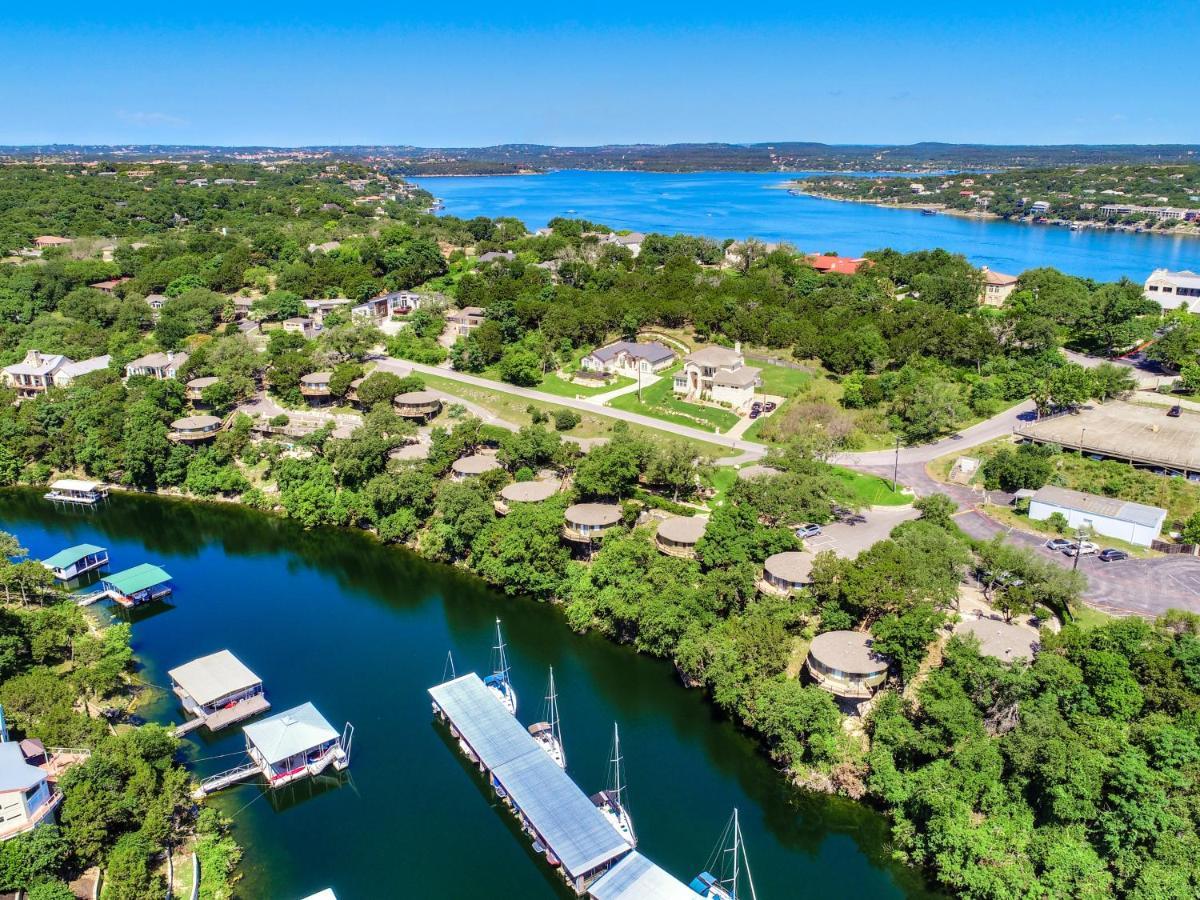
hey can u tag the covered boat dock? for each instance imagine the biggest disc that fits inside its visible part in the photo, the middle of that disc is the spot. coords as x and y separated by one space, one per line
549 805
637 878
217 690
72 490
133 586
75 561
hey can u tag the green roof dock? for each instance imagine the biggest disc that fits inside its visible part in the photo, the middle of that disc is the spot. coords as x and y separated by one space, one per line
75 561
137 585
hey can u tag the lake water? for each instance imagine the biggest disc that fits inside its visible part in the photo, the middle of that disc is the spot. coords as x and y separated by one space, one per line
362 630
741 204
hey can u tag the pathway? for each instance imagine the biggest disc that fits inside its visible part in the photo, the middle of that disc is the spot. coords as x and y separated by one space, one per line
602 399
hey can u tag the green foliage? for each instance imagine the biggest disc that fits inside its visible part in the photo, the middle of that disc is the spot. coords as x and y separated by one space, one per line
1029 466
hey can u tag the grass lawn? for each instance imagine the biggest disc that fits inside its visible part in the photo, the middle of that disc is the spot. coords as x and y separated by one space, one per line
784 382
555 384
1087 617
872 490
513 409
722 480
658 400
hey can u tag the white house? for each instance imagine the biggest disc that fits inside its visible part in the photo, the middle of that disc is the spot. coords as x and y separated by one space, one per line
1170 290
1134 523
65 376
35 374
631 242
718 374
157 365
26 797
628 358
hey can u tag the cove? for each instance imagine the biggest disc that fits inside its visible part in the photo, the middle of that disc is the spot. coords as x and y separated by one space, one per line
751 204
362 630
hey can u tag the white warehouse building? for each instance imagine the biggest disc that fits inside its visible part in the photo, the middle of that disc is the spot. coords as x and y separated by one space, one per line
1134 523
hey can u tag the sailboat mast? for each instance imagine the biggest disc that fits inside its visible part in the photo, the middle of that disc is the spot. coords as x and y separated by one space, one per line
736 836
616 761
502 671
555 726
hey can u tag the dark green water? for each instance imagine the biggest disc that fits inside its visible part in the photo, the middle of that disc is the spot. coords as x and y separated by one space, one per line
362 630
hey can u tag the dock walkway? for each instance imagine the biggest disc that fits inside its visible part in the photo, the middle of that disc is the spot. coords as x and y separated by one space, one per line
225 779
223 718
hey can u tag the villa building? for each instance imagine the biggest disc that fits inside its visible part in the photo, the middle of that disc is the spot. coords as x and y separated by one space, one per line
394 303
629 358
157 365
718 374
996 287
38 372
844 663
27 798
836 265
302 325
1171 290
466 320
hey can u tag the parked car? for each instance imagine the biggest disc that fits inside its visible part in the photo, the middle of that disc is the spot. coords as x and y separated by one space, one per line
755 413
808 530
769 406
1175 411
1059 544
1086 548
1113 555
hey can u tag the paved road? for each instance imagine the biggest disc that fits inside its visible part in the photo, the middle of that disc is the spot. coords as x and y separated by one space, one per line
749 450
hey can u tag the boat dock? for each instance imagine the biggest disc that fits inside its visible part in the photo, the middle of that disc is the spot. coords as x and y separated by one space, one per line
217 690
131 587
558 816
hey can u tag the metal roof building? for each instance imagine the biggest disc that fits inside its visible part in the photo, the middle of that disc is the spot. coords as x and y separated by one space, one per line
130 581
65 559
637 878
213 677
290 733
541 793
1136 523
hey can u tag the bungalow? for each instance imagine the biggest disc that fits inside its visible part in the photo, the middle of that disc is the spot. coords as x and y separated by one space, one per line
302 325
467 467
27 798
844 663
525 492
587 522
49 240
75 561
319 309
194 429
996 287
422 405
155 302
315 386
109 286
836 265
194 390
678 535
1171 290
629 358
466 320
785 573
66 375
160 366
718 374
631 242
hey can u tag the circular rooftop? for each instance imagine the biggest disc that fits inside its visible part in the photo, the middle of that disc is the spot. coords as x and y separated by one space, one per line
475 464
316 378
195 423
847 651
593 514
416 398
201 383
749 473
792 566
1000 640
682 529
529 491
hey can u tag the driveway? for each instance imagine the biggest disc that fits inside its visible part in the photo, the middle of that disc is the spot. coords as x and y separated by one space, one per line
602 399
850 538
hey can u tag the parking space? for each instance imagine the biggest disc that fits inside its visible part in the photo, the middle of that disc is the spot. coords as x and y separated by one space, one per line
854 535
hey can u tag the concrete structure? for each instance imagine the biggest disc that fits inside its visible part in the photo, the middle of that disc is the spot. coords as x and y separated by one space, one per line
525 492
1000 640
1134 523
843 663
678 535
584 523
1142 435
629 358
194 429
466 320
718 374
1171 290
157 365
996 287
417 405
470 466
27 798
315 386
785 573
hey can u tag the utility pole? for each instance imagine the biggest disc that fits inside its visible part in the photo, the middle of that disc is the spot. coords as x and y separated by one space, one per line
1082 533
896 466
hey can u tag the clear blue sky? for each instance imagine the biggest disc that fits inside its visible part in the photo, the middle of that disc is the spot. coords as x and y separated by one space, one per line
467 74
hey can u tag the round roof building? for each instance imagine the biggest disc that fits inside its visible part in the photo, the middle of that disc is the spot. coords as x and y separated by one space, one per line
417 404
195 428
786 572
475 464
844 663
529 491
678 535
588 521
1000 640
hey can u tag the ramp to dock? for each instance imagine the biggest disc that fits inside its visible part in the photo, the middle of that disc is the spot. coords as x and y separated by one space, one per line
243 709
225 779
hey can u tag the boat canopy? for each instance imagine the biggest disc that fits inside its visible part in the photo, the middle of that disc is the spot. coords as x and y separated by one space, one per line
295 731
637 878
66 558
212 677
74 484
130 581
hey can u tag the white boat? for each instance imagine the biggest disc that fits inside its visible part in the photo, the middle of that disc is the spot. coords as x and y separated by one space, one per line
548 734
732 879
611 801
498 682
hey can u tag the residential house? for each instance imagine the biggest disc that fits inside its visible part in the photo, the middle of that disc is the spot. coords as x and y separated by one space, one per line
319 309
719 374
109 286
27 798
1170 290
67 373
494 255
837 265
996 287
46 241
155 302
466 320
631 242
35 374
393 303
157 365
302 325
629 358
1039 207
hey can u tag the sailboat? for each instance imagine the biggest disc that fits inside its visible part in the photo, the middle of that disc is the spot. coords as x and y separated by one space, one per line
498 682
730 863
548 734
611 800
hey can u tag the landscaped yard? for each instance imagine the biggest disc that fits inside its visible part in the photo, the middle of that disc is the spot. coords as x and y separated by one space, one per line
871 490
659 400
561 387
783 381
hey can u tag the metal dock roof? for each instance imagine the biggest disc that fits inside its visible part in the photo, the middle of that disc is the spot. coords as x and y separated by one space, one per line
288 733
130 581
214 676
637 878
64 558
558 810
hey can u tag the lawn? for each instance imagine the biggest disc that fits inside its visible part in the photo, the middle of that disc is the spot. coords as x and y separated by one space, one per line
783 381
514 409
561 387
722 480
871 490
658 400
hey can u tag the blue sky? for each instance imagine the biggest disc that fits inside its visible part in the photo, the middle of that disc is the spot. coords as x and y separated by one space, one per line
469 74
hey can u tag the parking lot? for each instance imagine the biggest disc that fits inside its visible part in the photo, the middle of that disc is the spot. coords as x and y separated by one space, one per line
851 537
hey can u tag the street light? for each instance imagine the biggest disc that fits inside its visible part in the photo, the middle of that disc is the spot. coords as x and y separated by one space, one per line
1082 533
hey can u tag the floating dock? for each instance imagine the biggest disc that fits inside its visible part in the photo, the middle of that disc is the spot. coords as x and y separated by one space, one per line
72 490
637 878
217 690
549 805
76 561
130 587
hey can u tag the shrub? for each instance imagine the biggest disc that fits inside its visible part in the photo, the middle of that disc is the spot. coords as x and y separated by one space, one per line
565 419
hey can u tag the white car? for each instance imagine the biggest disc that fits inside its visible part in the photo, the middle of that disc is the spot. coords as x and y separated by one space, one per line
1086 548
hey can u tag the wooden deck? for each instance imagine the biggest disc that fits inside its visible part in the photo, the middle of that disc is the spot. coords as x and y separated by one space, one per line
223 718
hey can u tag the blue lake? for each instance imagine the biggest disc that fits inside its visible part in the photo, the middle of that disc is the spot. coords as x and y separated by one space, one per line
744 204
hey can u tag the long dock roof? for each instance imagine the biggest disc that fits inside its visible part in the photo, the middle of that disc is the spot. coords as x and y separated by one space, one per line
130 581
214 676
64 558
559 811
637 878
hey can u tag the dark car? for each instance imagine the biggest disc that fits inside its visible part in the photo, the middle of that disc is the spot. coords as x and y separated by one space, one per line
769 406
755 413
1175 411
1111 555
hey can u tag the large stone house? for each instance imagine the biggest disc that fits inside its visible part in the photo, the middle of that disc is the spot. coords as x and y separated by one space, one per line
39 372
628 358
157 365
719 374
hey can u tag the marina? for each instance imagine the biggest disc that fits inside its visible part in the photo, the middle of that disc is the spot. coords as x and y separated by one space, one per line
216 691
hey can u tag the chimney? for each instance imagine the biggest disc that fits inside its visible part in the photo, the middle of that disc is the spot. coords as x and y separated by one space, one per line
737 347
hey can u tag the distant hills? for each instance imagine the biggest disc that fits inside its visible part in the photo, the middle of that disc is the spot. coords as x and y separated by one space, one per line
763 157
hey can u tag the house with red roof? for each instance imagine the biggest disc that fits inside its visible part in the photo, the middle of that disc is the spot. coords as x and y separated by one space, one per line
837 265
